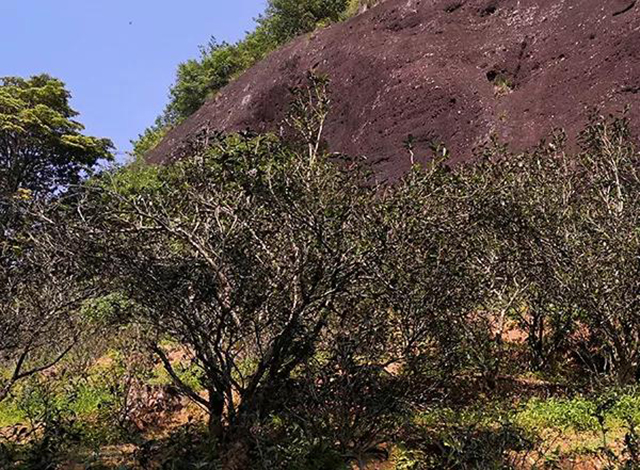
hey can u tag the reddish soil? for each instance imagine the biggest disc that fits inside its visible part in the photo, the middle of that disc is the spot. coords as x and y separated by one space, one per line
451 71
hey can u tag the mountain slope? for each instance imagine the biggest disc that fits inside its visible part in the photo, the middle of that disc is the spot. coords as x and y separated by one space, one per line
443 70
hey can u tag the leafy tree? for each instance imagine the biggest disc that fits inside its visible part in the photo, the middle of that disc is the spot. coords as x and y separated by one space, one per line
567 236
526 207
149 139
605 243
286 19
436 272
352 395
42 152
199 79
240 254
42 147
43 288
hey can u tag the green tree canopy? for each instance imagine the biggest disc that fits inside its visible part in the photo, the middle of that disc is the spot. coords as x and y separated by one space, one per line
42 147
42 152
219 62
289 18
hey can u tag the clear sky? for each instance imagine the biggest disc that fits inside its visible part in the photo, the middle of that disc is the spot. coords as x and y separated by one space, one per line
117 57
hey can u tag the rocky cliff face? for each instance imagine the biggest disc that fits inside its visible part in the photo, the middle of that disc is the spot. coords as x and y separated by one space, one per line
452 71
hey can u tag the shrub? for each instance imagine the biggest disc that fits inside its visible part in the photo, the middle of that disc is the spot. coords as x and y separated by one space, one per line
478 440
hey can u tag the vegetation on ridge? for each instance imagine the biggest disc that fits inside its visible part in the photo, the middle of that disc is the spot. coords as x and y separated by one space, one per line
219 63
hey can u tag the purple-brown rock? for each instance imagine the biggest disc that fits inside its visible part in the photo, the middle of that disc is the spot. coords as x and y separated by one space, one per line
451 71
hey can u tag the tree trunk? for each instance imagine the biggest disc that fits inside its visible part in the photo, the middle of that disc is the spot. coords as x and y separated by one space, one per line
216 410
626 371
215 426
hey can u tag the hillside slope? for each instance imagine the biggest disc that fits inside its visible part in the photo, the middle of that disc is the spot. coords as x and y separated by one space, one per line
453 71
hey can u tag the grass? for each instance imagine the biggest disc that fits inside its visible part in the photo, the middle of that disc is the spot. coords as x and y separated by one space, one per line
581 413
10 414
189 375
503 85
582 426
354 7
87 397
579 425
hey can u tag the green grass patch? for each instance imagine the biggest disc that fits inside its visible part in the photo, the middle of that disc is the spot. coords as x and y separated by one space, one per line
582 413
10 414
190 375
576 413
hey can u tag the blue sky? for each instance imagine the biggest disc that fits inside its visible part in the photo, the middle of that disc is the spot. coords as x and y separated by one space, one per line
117 57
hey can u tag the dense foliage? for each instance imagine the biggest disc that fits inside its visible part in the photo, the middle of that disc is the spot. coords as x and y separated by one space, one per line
42 152
317 320
199 79
41 146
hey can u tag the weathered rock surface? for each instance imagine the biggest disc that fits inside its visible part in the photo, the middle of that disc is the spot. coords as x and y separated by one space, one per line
452 71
